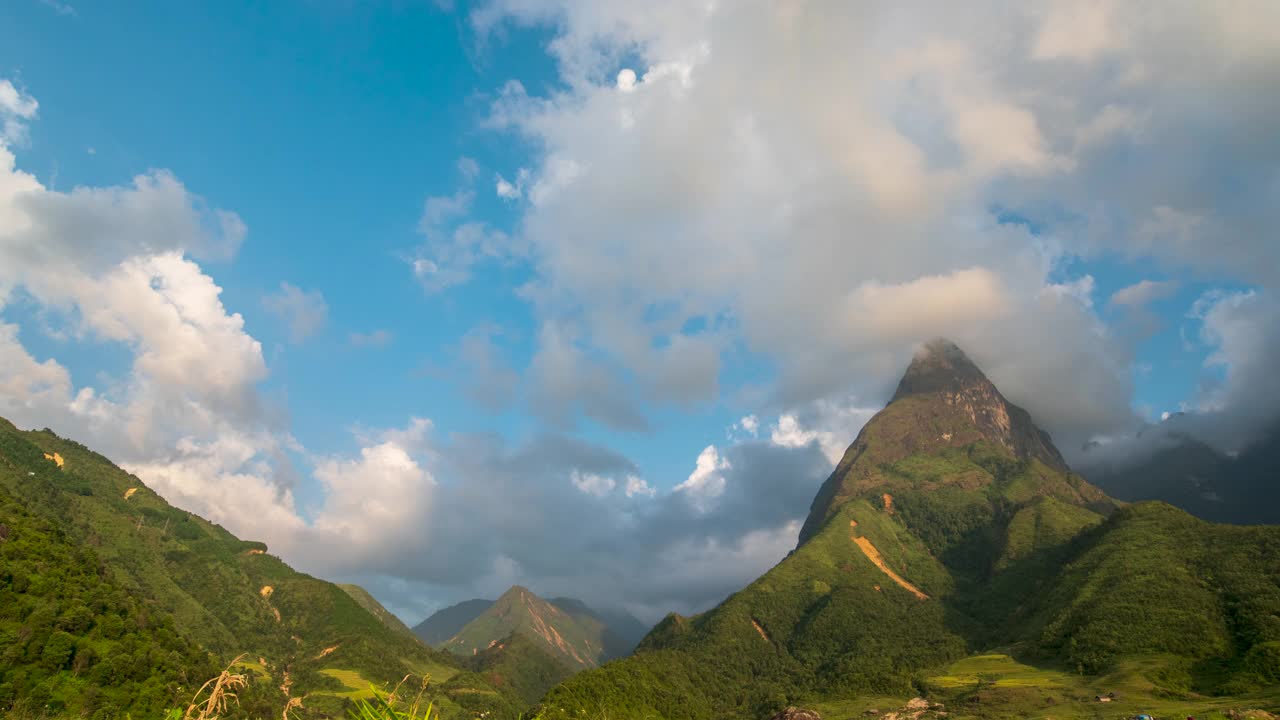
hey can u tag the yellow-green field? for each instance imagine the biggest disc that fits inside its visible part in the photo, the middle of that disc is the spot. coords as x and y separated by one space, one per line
997 686
357 685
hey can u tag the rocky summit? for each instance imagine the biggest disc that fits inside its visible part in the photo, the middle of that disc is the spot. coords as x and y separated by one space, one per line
943 401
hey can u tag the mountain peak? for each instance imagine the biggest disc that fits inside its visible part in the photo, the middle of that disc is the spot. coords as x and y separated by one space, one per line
943 401
939 365
515 592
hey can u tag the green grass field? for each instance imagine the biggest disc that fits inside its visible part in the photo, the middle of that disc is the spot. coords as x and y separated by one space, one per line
995 685
357 685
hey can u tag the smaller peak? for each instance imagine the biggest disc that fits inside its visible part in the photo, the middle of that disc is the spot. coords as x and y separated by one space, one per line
516 591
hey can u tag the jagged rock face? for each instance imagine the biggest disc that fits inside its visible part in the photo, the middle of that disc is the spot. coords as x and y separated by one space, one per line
943 401
942 373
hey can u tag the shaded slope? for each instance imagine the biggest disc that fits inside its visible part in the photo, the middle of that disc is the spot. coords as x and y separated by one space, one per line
519 664
375 608
220 593
618 630
444 624
1154 579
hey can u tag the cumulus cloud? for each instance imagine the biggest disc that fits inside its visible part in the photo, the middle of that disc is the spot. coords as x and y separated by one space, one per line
636 486
1243 330
831 186
577 519
304 312
592 484
116 266
453 242
707 481
1143 293
16 109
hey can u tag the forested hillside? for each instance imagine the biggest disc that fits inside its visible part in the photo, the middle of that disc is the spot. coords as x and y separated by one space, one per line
114 601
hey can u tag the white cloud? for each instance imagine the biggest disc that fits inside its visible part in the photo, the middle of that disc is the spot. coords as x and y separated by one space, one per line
116 266
592 484
304 311
637 486
1076 30
513 191
1143 293
828 425
370 500
453 243
932 176
16 108
706 482
749 424
1243 330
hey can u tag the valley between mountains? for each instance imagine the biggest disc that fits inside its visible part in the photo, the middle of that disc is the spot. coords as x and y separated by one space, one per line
952 565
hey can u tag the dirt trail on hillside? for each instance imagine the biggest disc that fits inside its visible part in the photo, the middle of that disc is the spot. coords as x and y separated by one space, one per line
874 556
761 630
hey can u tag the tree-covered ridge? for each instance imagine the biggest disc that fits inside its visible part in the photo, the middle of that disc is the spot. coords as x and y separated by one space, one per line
74 641
211 590
521 665
375 608
1154 579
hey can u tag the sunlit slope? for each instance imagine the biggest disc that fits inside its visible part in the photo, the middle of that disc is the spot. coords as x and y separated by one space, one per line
225 595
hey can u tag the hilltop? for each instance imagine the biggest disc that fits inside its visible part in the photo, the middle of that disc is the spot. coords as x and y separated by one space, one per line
952 526
558 633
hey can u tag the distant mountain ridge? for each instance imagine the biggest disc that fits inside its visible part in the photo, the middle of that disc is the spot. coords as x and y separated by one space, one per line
615 633
565 629
1190 474
446 622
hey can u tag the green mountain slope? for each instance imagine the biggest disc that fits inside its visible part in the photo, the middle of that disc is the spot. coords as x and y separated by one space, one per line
445 623
375 608
618 630
520 664
952 526
576 642
186 584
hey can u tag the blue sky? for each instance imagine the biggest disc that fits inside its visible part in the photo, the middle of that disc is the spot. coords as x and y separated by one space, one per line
687 238
324 126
